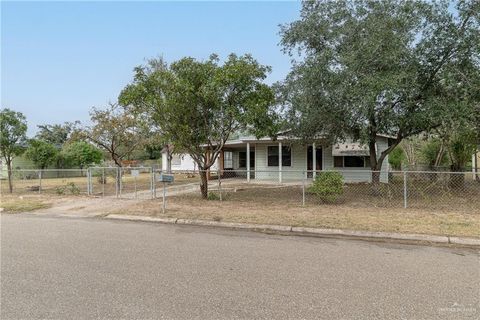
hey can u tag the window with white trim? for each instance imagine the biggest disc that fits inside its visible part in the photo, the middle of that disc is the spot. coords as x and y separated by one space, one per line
228 160
273 159
351 162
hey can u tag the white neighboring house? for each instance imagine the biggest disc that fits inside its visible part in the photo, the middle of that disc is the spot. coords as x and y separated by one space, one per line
182 162
287 159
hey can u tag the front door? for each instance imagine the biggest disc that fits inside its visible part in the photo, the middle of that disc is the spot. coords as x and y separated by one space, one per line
318 156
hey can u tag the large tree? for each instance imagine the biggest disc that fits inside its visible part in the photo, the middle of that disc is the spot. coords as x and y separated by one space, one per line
197 105
379 67
82 154
41 152
114 130
56 134
13 128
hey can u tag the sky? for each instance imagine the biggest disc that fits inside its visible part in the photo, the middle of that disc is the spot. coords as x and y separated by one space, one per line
59 59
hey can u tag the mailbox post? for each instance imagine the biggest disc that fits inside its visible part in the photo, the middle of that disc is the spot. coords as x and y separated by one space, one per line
165 178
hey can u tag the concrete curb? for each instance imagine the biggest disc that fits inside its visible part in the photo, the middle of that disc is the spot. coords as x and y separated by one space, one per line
306 231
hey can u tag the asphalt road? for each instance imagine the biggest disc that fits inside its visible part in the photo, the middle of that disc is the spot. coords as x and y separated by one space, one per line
64 268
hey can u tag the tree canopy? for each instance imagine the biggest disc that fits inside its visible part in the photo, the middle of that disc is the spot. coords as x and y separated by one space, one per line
41 152
13 129
197 105
56 134
115 131
380 67
82 154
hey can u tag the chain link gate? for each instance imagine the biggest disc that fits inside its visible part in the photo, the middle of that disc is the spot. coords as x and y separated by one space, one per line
125 182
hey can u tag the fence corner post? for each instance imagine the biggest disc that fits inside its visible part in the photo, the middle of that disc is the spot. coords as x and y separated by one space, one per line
405 189
164 197
103 182
40 181
303 187
151 182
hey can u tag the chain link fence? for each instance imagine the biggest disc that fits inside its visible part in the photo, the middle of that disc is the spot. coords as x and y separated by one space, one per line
458 191
357 188
46 181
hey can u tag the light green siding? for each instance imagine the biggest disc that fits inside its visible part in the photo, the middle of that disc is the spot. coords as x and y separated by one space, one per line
299 163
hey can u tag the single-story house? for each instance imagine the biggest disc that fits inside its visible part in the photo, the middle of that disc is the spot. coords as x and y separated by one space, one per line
287 159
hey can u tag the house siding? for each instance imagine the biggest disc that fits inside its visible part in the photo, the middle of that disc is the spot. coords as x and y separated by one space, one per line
299 164
358 174
296 171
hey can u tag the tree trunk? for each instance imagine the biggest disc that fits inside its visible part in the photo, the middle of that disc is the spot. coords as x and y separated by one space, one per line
440 154
203 184
169 161
374 167
9 173
118 179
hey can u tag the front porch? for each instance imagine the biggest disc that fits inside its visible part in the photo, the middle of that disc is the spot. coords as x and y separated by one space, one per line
289 160
270 161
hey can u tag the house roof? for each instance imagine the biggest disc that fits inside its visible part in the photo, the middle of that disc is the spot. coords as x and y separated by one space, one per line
281 136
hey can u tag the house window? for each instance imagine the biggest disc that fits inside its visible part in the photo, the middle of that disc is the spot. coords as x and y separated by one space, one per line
273 156
338 162
242 159
351 162
228 160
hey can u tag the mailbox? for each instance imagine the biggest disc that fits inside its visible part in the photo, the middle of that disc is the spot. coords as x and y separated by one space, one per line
165 178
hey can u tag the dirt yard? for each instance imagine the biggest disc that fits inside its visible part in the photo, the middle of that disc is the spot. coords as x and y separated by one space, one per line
357 209
78 185
283 206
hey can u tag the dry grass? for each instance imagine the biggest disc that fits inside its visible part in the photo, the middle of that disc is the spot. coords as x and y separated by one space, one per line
54 186
282 206
16 204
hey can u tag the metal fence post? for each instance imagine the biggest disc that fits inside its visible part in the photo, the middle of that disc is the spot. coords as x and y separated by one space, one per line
154 185
103 182
405 189
151 182
220 184
91 182
164 197
40 182
303 188
116 182
120 182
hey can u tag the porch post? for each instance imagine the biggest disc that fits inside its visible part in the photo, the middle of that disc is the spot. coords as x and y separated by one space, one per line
248 161
314 160
280 162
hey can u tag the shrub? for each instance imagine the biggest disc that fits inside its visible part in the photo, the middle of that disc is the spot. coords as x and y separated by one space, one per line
213 196
328 186
60 190
396 158
72 187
